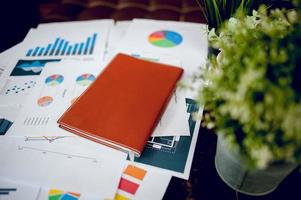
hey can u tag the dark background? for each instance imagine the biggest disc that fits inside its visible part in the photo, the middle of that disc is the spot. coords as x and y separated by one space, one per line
17 16
16 19
205 184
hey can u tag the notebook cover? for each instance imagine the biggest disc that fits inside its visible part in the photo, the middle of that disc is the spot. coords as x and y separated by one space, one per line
123 105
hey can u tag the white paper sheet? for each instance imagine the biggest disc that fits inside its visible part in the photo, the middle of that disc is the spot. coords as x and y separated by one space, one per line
182 40
173 154
171 122
56 88
12 190
116 34
9 112
70 164
8 55
91 35
84 41
7 59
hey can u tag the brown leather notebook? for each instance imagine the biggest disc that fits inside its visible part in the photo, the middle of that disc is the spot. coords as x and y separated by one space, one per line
123 105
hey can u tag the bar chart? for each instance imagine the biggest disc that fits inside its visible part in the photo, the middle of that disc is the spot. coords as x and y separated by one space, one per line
4 126
6 191
62 47
130 181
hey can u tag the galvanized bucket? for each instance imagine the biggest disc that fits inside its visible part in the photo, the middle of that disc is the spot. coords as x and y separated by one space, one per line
256 182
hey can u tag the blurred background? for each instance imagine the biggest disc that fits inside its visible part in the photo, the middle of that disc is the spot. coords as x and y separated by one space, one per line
17 17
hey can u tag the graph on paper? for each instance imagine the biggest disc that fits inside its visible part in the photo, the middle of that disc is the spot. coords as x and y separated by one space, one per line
54 194
171 152
30 67
7 191
54 80
11 190
165 38
4 125
45 101
130 182
63 47
57 153
17 87
85 79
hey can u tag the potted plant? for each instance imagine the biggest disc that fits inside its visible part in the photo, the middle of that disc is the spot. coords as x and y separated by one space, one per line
217 11
253 95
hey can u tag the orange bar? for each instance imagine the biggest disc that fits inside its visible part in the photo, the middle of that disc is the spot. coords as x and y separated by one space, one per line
135 172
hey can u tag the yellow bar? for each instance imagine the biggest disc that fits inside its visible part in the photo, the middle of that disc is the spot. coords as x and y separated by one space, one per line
120 197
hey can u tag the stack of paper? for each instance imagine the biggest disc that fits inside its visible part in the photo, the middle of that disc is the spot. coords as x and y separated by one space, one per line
43 75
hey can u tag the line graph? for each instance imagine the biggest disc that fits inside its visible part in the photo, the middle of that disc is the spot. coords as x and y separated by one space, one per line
43 138
69 156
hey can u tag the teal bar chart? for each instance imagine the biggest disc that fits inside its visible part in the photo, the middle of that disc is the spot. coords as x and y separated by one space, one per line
62 47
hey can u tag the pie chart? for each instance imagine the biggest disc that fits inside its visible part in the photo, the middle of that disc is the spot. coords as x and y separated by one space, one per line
45 101
54 194
165 38
85 79
54 80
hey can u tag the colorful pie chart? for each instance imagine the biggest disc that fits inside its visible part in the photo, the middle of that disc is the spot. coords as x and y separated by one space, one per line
85 79
45 101
55 194
54 80
165 38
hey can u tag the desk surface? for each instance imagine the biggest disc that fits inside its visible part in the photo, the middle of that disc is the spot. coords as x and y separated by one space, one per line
205 183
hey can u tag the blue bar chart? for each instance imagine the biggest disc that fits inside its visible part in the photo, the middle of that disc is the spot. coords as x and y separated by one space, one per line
62 47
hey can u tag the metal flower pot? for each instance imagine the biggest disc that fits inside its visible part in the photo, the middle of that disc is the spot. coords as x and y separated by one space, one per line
256 182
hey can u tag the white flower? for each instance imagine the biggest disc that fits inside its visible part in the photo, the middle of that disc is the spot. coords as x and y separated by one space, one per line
262 155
